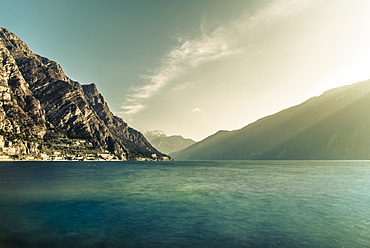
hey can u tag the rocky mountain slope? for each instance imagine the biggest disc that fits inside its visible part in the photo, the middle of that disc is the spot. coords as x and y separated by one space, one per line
335 125
167 144
40 105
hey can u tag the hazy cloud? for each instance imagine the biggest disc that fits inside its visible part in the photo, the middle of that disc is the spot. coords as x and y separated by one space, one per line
197 110
133 109
182 86
214 44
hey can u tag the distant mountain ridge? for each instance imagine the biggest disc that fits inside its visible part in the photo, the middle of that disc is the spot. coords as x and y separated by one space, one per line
335 125
40 105
167 144
151 135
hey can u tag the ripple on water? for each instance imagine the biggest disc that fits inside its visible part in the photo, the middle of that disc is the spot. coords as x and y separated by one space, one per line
185 204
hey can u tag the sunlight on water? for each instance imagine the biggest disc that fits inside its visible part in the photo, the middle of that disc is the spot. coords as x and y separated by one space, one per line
185 204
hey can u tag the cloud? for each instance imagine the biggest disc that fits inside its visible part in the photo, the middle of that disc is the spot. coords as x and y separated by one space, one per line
182 86
133 109
213 44
196 110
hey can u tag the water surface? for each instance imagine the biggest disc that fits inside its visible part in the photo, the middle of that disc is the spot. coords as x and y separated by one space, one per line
185 204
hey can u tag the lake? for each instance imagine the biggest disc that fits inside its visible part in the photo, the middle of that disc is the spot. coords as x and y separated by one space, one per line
185 204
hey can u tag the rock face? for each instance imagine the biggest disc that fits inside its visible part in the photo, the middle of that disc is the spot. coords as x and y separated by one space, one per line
37 99
335 125
167 144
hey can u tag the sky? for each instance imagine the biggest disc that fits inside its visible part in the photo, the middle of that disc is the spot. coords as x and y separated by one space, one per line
193 67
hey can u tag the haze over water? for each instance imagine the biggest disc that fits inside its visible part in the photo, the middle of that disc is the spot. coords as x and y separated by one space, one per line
185 204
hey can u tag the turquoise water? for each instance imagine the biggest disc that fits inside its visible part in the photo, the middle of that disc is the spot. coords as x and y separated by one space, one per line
185 204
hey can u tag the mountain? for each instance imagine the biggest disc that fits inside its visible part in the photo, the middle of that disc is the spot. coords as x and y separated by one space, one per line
335 125
151 135
167 144
43 111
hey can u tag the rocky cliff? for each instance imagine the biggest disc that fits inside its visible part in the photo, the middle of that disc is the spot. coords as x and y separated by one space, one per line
40 105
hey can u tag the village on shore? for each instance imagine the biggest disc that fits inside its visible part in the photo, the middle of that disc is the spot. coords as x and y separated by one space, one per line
56 156
77 150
